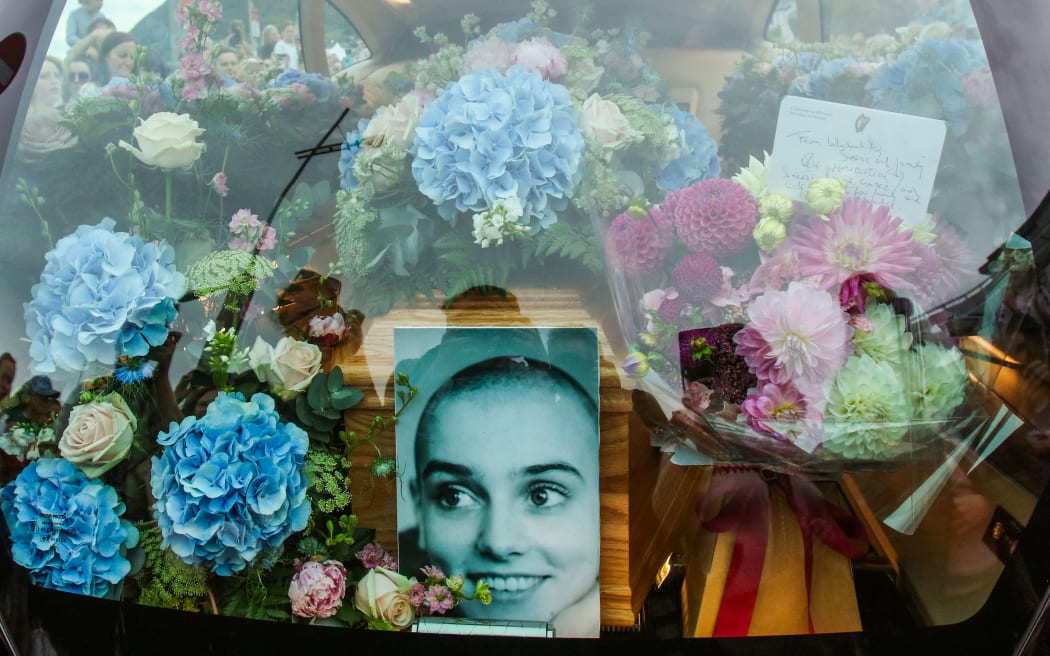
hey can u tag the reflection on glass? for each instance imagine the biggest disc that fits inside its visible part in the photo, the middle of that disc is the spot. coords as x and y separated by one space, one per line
201 192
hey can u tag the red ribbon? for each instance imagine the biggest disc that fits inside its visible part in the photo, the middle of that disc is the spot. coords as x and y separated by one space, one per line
744 496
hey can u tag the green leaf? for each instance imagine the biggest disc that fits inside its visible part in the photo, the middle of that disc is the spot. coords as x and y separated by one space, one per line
316 393
349 614
335 380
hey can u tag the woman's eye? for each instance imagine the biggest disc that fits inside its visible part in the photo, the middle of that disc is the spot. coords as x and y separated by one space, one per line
454 498
546 495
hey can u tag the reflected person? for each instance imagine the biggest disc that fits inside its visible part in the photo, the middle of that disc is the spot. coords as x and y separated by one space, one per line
506 455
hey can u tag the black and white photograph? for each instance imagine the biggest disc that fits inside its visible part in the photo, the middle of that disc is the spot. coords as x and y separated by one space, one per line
498 453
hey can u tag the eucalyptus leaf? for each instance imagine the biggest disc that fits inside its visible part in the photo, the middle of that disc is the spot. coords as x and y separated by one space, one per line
335 380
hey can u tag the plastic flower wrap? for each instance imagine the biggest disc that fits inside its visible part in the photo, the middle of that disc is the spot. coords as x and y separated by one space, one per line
797 346
66 529
230 484
102 295
491 158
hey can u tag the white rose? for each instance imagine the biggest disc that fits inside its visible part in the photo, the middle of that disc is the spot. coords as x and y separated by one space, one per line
383 595
288 367
99 435
394 124
167 141
584 75
604 123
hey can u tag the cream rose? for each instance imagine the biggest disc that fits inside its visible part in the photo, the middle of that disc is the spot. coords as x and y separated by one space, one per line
99 434
167 141
288 367
603 123
382 595
394 124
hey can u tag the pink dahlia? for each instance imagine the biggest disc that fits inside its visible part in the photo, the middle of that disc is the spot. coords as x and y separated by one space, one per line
317 589
858 238
781 411
800 335
639 245
714 216
697 277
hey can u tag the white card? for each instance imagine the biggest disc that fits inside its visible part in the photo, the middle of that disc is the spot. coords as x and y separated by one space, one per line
887 158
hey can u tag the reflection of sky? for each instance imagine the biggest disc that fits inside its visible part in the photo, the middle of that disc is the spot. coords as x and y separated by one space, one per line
123 13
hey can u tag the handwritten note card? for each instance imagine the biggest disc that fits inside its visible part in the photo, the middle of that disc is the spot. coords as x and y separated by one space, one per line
887 158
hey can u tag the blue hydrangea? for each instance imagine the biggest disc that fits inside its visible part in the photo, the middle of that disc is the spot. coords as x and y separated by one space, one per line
815 84
230 485
102 295
66 529
697 153
490 136
318 84
930 70
348 156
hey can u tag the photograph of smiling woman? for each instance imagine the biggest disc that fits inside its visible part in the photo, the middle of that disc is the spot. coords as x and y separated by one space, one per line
503 479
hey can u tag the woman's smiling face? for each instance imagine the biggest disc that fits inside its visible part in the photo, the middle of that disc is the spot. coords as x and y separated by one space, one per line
508 493
121 59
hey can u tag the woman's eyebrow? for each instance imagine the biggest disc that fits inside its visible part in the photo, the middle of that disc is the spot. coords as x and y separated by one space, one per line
443 467
535 470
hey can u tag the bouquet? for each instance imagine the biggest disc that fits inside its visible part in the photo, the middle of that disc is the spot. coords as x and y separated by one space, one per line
792 331
203 463
488 159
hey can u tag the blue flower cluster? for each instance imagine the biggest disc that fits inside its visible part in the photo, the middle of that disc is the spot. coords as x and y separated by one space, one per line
490 136
815 84
519 30
929 70
66 529
698 153
102 295
318 84
230 484
348 156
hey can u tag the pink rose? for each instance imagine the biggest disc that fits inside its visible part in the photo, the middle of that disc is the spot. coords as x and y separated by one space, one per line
542 56
317 589
604 124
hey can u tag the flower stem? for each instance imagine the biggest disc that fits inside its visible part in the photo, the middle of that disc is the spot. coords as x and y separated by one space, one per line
167 195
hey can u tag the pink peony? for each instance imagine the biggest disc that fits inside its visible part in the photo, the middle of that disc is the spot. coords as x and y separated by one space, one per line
639 245
542 56
800 335
317 589
714 216
858 238
490 53
328 331
697 277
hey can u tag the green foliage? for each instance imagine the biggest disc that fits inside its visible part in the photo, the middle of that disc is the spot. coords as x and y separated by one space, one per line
573 242
165 580
321 409
260 594
329 477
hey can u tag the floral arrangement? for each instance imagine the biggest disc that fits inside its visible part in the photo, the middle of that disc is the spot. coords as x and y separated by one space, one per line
933 68
790 329
203 463
484 158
